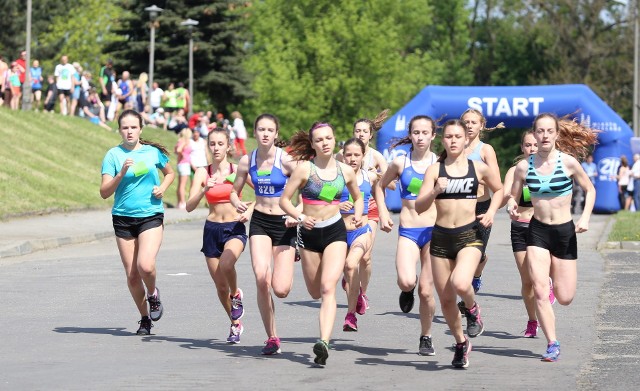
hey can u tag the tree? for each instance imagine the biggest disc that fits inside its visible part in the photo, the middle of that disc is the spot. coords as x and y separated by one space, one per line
218 46
338 61
81 34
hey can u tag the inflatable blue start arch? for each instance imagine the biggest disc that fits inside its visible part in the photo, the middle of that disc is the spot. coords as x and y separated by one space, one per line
517 107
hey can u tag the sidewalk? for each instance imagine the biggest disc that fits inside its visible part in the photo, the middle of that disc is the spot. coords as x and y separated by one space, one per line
26 235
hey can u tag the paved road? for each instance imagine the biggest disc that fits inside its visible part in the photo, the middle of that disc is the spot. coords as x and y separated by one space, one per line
68 323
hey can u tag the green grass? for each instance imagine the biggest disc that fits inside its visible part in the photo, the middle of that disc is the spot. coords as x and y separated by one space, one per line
626 227
52 163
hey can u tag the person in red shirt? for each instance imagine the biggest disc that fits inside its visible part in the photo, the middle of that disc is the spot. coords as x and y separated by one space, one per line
22 65
194 120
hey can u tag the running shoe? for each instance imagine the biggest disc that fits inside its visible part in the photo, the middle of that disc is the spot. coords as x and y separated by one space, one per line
272 346
552 296
532 329
476 283
363 304
407 299
155 306
321 350
237 310
145 326
235 331
553 352
426 346
350 322
475 326
461 354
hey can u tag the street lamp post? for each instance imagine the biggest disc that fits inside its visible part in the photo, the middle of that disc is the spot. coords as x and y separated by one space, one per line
26 90
190 23
153 11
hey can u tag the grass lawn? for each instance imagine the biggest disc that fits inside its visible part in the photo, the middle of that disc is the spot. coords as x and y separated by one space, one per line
625 227
52 163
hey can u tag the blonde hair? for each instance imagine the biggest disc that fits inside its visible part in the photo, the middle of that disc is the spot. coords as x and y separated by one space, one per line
483 121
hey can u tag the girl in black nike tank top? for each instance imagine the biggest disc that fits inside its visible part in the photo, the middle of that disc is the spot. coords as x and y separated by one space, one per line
456 244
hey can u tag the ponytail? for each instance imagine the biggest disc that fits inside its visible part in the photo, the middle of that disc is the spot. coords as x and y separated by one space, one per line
133 113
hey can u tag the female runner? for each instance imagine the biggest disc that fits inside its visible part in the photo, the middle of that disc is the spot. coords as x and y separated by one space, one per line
477 150
268 167
130 171
552 249
456 244
359 240
224 235
415 229
322 235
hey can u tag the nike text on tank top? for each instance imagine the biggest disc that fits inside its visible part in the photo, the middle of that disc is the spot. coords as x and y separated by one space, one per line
221 192
365 191
318 191
556 184
411 180
459 188
268 183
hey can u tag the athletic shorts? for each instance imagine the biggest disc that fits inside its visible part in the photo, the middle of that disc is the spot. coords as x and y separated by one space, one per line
447 242
485 232
519 231
66 93
559 239
131 227
273 227
75 94
323 234
356 233
184 169
216 235
170 109
373 210
420 236
105 97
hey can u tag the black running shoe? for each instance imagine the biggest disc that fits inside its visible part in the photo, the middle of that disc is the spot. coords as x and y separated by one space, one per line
155 306
461 355
321 350
145 326
475 326
426 347
407 299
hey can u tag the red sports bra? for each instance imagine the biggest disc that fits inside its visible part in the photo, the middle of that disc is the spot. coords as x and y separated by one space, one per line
220 193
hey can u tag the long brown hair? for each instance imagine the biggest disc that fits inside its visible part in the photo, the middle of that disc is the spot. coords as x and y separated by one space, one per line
277 142
133 113
451 122
218 130
376 123
407 139
573 138
301 147
483 121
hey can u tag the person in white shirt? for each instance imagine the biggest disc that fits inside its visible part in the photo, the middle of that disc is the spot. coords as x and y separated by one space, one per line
64 74
241 133
155 97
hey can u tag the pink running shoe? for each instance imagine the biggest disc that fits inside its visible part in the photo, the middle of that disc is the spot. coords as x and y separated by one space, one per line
363 304
532 329
552 296
350 322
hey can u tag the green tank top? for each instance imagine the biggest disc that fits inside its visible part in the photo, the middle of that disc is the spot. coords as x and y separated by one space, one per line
171 99
181 97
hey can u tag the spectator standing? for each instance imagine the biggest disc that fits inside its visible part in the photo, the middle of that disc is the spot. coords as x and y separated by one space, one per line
36 83
107 78
126 87
22 66
241 133
198 152
76 82
624 172
142 90
635 169
169 98
578 192
155 97
183 100
4 69
183 150
64 81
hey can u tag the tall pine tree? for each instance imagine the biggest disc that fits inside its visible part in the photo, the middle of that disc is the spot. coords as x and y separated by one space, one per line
219 81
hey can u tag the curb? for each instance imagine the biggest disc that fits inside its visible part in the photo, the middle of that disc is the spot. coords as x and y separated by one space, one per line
603 244
30 246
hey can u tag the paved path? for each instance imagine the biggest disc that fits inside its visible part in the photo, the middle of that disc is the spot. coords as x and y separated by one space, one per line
68 322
